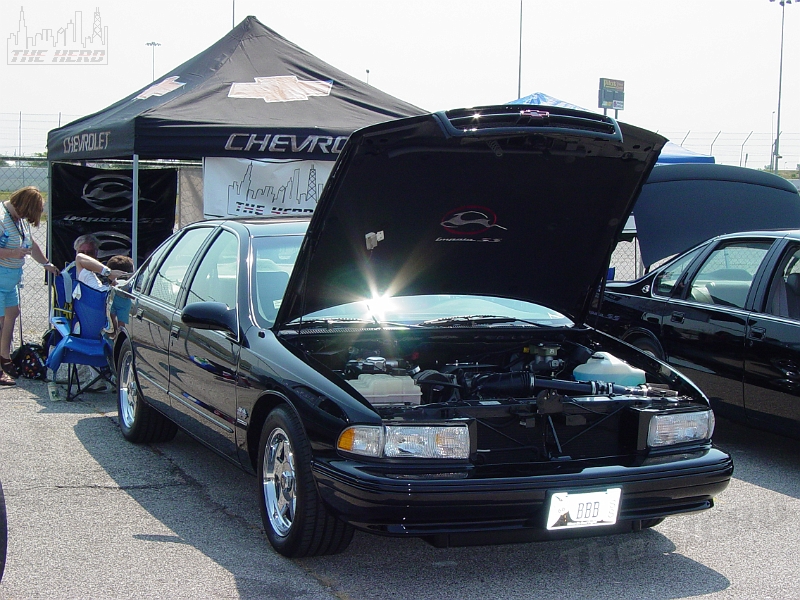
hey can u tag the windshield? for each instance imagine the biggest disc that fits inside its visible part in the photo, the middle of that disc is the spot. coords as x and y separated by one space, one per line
442 310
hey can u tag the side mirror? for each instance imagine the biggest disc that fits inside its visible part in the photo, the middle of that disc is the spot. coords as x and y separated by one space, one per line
215 316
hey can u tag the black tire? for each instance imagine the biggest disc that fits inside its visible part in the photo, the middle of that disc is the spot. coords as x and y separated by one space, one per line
3 532
648 346
648 523
295 519
138 422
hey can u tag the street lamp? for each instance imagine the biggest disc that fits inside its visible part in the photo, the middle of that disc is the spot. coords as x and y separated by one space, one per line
153 46
777 154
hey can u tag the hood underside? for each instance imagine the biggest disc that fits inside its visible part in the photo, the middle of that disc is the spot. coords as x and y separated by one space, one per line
498 201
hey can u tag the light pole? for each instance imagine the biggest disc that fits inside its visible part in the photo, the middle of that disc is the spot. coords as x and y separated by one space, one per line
772 145
519 78
777 156
153 46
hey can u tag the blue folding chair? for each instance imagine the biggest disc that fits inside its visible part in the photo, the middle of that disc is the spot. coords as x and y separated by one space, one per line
82 341
63 284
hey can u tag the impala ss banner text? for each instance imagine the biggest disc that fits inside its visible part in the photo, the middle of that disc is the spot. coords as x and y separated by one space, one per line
98 201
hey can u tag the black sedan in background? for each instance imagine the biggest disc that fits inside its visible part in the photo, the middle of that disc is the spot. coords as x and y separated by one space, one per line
414 360
727 315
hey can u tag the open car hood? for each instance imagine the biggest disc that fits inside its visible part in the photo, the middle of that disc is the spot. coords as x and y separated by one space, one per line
502 201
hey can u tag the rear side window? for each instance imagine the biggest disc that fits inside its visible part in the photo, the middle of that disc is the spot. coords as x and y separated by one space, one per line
784 292
171 273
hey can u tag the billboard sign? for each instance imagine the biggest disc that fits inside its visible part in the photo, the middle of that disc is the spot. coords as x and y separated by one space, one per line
611 94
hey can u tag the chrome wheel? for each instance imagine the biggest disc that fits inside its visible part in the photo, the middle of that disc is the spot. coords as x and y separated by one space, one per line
128 392
279 482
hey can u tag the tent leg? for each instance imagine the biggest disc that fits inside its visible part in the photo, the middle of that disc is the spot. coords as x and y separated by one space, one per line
135 213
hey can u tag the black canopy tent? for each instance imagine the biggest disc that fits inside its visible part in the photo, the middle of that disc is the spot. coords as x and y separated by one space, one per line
253 94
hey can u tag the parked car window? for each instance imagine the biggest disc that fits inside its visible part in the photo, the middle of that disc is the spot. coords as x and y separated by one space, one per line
149 267
784 292
169 278
274 261
669 277
727 274
215 279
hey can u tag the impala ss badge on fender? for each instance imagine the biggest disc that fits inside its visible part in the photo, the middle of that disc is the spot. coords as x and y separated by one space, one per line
374 379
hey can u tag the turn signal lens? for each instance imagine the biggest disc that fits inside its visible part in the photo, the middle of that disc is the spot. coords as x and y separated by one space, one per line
678 428
361 439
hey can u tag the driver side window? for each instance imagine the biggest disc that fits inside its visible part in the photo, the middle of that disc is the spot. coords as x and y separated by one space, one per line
215 279
727 274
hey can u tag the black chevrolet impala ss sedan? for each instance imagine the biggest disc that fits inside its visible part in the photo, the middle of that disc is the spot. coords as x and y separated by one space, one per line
727 314
413 360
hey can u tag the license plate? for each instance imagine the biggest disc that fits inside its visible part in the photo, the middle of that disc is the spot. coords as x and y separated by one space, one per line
584 509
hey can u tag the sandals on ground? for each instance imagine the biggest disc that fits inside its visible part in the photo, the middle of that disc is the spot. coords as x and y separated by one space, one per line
8 367
5 380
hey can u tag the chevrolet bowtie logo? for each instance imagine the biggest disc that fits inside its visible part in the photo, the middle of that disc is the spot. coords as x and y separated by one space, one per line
282 88
159 89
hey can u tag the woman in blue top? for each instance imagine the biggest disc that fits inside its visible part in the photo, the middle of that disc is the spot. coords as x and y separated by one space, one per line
23 209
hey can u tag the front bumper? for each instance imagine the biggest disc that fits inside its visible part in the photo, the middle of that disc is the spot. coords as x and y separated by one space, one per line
503 509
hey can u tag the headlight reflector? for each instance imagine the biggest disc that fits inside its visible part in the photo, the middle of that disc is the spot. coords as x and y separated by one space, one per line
403 441
677 428
426 442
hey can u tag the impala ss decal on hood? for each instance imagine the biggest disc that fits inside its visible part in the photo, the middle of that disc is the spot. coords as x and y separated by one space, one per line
470 224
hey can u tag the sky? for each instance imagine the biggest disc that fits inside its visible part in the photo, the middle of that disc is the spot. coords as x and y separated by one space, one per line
704 73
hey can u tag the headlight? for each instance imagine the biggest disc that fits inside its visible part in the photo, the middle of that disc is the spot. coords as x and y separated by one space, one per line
395 441
677 428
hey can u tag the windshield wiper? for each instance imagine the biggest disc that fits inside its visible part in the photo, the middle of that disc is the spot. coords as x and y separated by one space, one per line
473 320
333 322
328 322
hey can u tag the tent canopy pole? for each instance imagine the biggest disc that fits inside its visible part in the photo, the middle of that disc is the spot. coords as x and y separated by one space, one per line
135 213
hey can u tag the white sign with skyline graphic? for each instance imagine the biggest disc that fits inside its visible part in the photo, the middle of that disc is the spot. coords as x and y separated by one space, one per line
240 187
70 44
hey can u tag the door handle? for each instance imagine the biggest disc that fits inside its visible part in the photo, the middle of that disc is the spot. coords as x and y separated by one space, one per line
677 317
175 332
139 314
757 333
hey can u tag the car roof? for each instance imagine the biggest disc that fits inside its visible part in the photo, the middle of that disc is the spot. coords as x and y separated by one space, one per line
259 226
714 172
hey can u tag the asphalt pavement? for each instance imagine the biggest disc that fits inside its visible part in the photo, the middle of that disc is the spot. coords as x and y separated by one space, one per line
93 516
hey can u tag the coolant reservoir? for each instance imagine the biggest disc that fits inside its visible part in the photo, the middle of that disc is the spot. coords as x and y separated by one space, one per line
381 389
603 366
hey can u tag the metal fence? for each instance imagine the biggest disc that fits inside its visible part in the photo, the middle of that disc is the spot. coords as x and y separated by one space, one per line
23 134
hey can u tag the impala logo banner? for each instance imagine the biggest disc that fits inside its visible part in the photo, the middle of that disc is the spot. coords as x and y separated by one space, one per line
89 200
281 88
73 42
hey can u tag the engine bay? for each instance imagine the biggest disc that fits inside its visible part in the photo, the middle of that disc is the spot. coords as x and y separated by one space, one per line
397 372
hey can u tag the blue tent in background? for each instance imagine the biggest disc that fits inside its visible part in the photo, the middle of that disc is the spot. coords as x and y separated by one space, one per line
671 154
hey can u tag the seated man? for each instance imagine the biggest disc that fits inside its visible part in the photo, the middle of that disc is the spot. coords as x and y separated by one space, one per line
87 244
88 271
